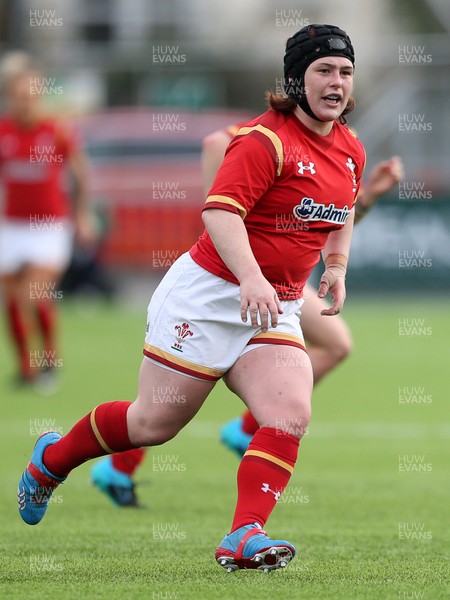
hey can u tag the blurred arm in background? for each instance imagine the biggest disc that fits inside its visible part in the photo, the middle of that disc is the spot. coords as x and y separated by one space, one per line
85 230
213 151
382 178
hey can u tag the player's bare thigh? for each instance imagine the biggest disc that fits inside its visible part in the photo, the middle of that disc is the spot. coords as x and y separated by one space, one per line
11 285
30 283
275 382
42 277
166 402
323 331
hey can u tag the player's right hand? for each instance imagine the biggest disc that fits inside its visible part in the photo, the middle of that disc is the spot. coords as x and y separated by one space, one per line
259 299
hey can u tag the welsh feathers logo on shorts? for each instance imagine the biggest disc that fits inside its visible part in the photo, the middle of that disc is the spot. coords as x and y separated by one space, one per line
183 332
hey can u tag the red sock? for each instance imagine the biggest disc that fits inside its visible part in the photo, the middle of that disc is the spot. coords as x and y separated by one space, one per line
249 424
46 314
102 431
264 472
127 462
18 334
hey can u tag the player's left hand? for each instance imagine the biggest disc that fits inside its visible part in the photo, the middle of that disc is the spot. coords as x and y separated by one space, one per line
384 176
335 286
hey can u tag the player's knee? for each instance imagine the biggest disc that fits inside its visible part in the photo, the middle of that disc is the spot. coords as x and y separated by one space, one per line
302 418
296 426
148 430
303 422
296 419
153 436
157 438
340 349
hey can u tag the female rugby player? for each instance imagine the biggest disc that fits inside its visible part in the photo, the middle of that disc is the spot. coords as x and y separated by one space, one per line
226 308
36 227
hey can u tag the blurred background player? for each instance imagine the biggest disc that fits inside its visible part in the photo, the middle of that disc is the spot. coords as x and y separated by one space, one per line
37 225
328 340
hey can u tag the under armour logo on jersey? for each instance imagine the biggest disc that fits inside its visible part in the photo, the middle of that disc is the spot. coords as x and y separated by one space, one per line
302 168
266 488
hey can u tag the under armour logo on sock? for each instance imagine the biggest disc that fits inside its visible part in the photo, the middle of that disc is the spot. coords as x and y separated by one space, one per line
266 488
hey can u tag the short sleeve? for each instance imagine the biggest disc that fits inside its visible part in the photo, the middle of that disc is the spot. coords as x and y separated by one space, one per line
246 173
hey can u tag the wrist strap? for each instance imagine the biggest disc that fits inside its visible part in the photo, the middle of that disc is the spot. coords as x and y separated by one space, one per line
336 259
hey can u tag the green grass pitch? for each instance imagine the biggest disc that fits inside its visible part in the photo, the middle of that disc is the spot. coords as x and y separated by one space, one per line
366 524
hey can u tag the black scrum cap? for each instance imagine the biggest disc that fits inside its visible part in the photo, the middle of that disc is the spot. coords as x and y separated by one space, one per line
307 45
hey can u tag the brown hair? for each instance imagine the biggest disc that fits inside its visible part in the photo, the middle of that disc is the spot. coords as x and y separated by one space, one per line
285 104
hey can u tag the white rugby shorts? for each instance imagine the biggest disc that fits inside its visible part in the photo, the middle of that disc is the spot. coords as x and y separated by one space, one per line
194 323
44 244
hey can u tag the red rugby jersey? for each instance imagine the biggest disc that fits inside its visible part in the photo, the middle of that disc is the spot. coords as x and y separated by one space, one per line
31 168
292 187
